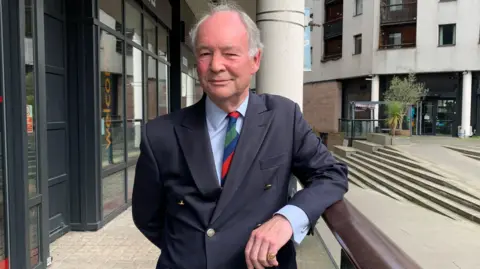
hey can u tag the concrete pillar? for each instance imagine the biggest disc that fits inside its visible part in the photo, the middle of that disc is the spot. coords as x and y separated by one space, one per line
137 86
375 97
467 103
281 23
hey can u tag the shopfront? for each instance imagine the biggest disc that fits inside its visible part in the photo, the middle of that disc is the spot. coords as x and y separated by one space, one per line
77 82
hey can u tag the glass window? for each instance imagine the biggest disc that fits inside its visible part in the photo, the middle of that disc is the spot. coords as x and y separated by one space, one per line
134 102
31 99
150 34
152 99
163 101
358 44
34 236
446 35
110 13
113 192
133 28
111 70
162 42
358 7
130 180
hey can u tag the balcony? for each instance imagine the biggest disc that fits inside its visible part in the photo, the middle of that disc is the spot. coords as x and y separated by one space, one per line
397 46
327 2
398 14
333 28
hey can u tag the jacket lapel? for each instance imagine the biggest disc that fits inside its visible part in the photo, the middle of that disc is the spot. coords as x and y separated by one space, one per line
195 143
255 127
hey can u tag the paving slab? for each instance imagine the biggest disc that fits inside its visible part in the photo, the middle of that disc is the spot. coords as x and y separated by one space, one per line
120 245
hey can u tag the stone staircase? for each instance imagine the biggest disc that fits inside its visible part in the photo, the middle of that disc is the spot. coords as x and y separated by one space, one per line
404 178
471 152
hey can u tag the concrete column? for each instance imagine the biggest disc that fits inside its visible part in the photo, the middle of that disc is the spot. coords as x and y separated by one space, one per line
375 97
137 86
281 23
467 103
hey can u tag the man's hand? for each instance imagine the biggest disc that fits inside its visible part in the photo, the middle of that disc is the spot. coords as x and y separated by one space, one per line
266 240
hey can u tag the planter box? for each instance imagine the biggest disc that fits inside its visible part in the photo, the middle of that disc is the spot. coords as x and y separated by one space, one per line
388 140
402 133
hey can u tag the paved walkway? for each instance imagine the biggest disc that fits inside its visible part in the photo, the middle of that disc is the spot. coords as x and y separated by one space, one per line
120 245
430 149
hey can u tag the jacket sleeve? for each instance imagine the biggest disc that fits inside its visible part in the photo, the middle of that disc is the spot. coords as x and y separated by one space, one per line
147 199
323 178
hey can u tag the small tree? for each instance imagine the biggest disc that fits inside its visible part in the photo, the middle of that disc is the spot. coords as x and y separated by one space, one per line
406 91
394 111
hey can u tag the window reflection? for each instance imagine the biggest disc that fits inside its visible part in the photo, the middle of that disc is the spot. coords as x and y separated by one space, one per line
111 89
163 101
30 93
110 13
149 33
113 192
162 43
151 88
133 18
134 102
34 235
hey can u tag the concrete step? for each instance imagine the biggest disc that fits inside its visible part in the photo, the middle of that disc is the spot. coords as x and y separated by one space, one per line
343 151
411 196
396 153
469 151
435 198
367 182
406 170
357 182
405 161
366 146
473 156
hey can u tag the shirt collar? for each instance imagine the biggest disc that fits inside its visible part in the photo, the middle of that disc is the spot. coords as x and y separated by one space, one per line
216 115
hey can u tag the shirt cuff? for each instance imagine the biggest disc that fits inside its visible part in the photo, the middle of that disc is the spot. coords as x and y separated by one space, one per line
298 220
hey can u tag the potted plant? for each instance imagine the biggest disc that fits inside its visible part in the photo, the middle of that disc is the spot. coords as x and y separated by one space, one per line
394 112
405 91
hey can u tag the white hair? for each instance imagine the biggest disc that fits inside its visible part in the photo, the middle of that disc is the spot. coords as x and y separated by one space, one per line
254 40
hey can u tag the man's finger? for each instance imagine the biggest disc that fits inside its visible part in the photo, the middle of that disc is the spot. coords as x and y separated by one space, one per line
248 249
263 253
257 243
273 250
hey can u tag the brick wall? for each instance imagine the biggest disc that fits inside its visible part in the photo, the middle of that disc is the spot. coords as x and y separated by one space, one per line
322 105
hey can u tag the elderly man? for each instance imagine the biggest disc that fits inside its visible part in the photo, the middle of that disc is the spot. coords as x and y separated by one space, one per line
211 185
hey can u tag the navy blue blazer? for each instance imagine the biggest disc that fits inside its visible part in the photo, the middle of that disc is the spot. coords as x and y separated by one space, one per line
179 206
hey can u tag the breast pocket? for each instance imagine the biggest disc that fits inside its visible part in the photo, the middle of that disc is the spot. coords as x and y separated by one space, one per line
273 162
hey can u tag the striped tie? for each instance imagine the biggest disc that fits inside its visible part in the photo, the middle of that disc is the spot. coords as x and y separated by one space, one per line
231 139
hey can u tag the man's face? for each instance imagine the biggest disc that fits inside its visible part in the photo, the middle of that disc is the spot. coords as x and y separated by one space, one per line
224 65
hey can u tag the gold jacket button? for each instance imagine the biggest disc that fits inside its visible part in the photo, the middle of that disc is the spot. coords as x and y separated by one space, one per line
210 232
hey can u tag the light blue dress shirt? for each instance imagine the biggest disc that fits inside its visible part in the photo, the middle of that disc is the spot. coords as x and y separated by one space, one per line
217 123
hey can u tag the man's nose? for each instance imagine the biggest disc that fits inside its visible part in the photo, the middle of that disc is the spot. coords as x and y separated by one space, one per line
217 65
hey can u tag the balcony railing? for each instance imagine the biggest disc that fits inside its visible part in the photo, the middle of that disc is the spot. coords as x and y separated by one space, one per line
363 245
333 28
401 13
327 2
397 46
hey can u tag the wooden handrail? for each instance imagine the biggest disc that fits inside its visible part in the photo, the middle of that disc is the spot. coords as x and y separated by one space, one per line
364 244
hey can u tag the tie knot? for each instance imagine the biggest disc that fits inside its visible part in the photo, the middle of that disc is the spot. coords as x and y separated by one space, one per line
234 114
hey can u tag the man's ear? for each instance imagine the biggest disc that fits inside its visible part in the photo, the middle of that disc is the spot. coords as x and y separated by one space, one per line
256 59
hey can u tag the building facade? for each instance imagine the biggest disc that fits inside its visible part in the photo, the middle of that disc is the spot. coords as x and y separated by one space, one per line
78 80
363 44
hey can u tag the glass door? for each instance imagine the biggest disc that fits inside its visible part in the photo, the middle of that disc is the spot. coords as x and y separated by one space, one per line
428 118
445 117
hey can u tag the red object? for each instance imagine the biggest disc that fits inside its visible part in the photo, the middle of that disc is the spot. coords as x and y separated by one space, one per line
4 264
1 99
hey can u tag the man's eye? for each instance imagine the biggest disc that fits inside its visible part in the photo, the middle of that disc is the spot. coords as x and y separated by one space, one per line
204 54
